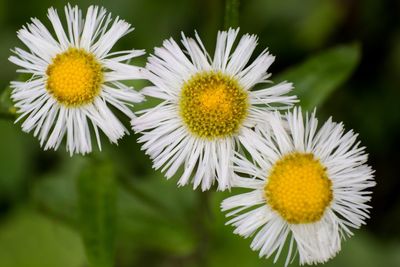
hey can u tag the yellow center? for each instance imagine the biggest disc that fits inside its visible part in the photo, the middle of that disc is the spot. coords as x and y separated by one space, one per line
74 77
213 105
298 188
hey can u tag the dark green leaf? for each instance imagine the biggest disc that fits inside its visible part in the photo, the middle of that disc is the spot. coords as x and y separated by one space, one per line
97 212
54 194
16 151
320 75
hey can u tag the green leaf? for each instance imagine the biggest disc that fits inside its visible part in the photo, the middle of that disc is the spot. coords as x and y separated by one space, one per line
97 212
29 239
55 194
16 150
316 78
156 215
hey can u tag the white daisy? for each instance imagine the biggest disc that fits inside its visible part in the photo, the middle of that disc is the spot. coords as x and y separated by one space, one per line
208 106
75 79
308 187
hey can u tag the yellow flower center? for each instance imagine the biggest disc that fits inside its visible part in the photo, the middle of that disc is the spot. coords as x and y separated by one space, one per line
74 77
298 188
213 105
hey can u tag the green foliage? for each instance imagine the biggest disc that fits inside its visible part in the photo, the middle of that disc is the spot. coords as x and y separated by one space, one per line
97 212
231 13
16 151
317 77
30 239
55 194
320 22
48 199
7 109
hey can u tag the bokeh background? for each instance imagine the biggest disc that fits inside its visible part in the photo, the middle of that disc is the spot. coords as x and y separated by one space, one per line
158 224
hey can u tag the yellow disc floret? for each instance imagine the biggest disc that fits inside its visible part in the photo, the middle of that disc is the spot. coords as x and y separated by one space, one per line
74 77
213 105
298 188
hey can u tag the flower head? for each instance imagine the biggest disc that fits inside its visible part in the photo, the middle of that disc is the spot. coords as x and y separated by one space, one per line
309 187
209 106
75 79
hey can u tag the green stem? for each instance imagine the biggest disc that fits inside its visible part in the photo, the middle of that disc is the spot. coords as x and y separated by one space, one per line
231 14
202 225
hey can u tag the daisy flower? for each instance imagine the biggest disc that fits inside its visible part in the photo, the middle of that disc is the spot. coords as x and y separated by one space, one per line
75 79
309 188
208 106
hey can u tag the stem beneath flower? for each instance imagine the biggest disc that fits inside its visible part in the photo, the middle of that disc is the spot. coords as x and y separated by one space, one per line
231 14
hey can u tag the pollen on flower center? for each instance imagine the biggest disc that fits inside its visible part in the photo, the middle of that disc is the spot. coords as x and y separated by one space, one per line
298 188
213 105
74 77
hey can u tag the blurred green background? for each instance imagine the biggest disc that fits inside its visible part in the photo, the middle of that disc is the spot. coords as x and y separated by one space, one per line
156 223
